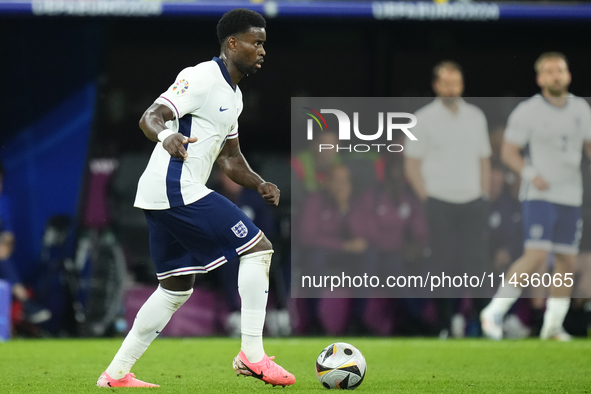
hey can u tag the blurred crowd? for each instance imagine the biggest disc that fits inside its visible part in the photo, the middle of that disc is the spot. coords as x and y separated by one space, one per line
375 217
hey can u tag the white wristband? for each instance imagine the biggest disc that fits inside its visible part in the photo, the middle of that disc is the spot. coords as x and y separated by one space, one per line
164 134
528 173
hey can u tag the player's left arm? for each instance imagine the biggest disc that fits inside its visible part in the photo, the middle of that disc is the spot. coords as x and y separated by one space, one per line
232 162
485 154
587 146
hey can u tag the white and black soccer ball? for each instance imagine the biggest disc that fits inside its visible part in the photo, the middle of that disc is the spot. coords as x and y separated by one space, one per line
341 366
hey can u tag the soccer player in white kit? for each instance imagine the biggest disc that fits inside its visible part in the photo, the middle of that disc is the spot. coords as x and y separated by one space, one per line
193 229
556 126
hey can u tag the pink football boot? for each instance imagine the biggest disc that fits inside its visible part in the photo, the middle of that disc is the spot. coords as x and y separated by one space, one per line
128 380
265 370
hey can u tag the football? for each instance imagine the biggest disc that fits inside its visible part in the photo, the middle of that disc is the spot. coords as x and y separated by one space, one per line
341 366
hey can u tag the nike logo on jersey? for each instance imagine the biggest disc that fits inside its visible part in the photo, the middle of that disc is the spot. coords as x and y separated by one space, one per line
224 109
158 332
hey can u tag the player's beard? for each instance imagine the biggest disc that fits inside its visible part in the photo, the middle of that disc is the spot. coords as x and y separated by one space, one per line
557 90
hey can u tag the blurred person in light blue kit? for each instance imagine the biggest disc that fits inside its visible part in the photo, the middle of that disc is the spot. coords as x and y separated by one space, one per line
555 126
33 312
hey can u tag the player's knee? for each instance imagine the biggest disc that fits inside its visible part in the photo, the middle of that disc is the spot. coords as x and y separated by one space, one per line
178 283
565 263
536 256
261 252
263 245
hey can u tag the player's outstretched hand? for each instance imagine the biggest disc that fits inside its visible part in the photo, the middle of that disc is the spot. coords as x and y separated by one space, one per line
174 145
270 193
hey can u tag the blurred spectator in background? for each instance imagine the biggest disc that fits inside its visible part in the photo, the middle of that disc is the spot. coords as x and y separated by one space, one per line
311 167
33 312
325 232
391 218
325 218
251 203
449 169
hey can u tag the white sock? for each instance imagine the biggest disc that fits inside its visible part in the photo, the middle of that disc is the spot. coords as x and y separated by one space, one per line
556 310
150 320
504 298
253 286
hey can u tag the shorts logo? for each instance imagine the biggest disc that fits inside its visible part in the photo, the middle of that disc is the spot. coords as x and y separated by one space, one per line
240 229
180 87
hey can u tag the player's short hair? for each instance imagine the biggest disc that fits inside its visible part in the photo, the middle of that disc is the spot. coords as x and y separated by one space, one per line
446 64
548 55
238 21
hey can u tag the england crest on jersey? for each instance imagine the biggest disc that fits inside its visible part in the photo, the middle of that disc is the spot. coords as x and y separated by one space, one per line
240 229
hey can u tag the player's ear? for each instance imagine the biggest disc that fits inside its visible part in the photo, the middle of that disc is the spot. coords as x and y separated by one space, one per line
232 42
434 87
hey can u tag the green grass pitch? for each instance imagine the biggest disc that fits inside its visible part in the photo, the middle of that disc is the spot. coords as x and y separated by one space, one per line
203 365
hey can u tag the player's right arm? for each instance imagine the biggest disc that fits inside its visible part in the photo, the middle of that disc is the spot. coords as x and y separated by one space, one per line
414 152
187 94
511 156
153 122
154 119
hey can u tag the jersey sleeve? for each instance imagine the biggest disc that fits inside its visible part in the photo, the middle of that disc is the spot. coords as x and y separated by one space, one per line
188 93
586 121
517 131
233 133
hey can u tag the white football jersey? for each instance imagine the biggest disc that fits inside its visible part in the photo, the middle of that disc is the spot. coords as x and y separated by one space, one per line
450 147
206 106
554 137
